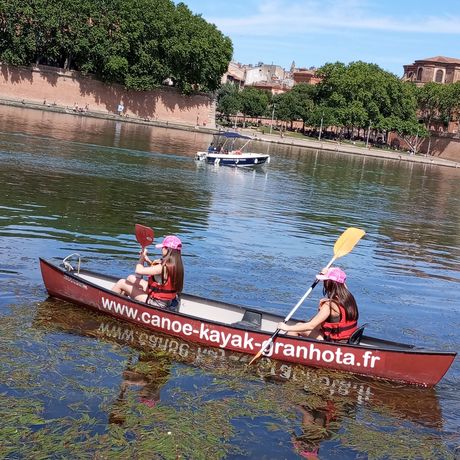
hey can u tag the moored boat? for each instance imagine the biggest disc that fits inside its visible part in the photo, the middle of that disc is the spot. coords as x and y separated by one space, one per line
237 328
225 151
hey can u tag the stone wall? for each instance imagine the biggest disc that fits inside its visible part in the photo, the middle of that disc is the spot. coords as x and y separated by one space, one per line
48 85
442 147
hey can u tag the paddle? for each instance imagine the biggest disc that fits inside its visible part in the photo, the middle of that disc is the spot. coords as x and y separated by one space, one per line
342 246
144 235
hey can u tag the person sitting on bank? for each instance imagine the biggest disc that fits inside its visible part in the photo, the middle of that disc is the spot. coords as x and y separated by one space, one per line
165 276
337 316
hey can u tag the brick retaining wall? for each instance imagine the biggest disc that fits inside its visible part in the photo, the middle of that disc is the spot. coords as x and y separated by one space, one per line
52 86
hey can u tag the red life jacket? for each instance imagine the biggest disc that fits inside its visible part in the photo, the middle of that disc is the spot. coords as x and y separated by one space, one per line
341 330
161 291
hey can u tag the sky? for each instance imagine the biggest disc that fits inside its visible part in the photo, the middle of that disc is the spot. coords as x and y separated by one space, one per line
389 33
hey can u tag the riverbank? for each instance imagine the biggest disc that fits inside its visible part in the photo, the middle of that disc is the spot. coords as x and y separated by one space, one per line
81 112
269 138
341 147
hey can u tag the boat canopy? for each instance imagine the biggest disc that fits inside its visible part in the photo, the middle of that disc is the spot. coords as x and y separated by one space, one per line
231 135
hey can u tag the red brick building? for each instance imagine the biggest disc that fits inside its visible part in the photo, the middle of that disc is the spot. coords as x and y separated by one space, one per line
444 140
439 69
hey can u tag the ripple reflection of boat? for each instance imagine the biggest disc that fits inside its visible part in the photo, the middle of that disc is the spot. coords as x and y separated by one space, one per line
417 404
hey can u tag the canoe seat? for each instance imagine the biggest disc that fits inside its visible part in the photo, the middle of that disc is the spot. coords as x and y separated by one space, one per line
250 320
355 338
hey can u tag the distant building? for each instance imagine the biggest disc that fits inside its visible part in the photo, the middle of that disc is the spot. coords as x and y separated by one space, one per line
236 73
307 76
273 88
272 78
264 73
439 69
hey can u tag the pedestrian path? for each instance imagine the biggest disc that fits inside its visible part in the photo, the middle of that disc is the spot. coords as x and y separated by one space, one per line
352 149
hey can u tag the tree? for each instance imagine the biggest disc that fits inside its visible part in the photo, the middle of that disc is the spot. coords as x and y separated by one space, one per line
229 100
284 107
361 93
410 130
138 43
430 98
450 101
254 102
322 116
200 54
304 96
296 104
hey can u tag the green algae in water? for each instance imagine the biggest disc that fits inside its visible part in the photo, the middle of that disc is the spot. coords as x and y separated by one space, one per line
379 439
99 391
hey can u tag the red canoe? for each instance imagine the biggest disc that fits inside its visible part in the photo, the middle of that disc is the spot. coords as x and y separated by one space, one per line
245 330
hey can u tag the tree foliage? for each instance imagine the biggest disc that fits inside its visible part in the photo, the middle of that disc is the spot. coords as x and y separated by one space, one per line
410 130
437 102
138 43
229 100
250 101
360 94
254 101
297 104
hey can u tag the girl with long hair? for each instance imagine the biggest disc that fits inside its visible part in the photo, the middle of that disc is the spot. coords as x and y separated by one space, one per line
165 276
337 316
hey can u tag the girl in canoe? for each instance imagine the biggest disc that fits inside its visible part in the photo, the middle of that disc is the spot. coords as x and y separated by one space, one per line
337 316
165 276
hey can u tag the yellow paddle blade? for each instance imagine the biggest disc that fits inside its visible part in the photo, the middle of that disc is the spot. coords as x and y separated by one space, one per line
347 241
256 357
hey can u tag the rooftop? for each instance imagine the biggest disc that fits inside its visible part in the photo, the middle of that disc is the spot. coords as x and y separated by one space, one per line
440 59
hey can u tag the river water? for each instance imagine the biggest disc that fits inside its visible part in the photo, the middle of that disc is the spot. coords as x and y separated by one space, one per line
77 384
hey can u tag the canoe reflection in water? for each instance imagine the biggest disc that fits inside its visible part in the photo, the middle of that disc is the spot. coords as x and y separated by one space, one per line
158 352
144 379
332 400
321 420
316 425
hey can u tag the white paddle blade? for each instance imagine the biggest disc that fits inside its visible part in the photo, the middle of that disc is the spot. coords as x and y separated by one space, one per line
347 241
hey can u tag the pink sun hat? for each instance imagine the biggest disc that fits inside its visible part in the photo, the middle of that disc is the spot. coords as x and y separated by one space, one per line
334 274
172 242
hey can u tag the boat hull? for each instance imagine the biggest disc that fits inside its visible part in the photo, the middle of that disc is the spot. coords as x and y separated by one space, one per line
236 160
380 359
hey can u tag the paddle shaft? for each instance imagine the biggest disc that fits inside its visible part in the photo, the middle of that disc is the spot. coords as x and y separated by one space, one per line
297 305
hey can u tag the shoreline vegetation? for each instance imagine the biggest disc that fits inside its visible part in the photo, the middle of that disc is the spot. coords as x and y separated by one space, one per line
285 139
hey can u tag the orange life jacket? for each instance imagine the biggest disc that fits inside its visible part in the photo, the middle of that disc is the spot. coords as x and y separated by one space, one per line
341 330
161 291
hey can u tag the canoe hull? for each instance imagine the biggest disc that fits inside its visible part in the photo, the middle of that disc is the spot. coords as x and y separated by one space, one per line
415 403
402 365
